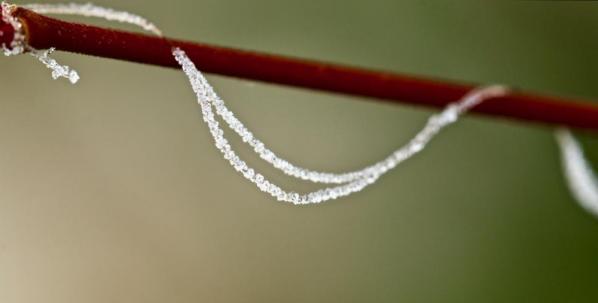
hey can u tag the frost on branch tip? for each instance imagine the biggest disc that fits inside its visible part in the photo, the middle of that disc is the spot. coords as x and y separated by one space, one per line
87 10
17 45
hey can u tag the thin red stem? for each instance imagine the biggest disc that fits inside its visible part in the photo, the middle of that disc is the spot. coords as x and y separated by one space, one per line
43 32
7 32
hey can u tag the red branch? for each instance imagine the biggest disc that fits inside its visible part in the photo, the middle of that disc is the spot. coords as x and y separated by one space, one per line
7 33
43 32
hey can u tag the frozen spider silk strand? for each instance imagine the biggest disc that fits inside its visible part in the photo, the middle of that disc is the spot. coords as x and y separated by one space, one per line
90 10
434 125
350 181
204 94
582 181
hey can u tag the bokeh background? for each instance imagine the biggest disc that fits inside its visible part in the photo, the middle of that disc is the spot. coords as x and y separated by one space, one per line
111 190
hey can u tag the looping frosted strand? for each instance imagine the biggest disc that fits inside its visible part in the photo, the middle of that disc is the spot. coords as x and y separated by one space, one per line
90 10
350 182
435 123
582 181
197 83
206 98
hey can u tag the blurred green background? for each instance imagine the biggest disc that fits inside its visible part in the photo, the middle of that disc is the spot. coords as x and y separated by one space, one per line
111 190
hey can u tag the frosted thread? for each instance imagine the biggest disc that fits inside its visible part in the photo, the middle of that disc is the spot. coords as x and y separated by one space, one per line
90 10
434 124
236 125
204 93
580 177
582 181
355 181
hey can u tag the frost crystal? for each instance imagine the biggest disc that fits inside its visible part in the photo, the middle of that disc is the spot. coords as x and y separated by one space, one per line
58 70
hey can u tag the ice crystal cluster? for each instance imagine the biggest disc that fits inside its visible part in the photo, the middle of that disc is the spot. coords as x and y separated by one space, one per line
58 70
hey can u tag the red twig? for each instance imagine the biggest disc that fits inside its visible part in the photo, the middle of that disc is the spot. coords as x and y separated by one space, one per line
6 32
43 32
